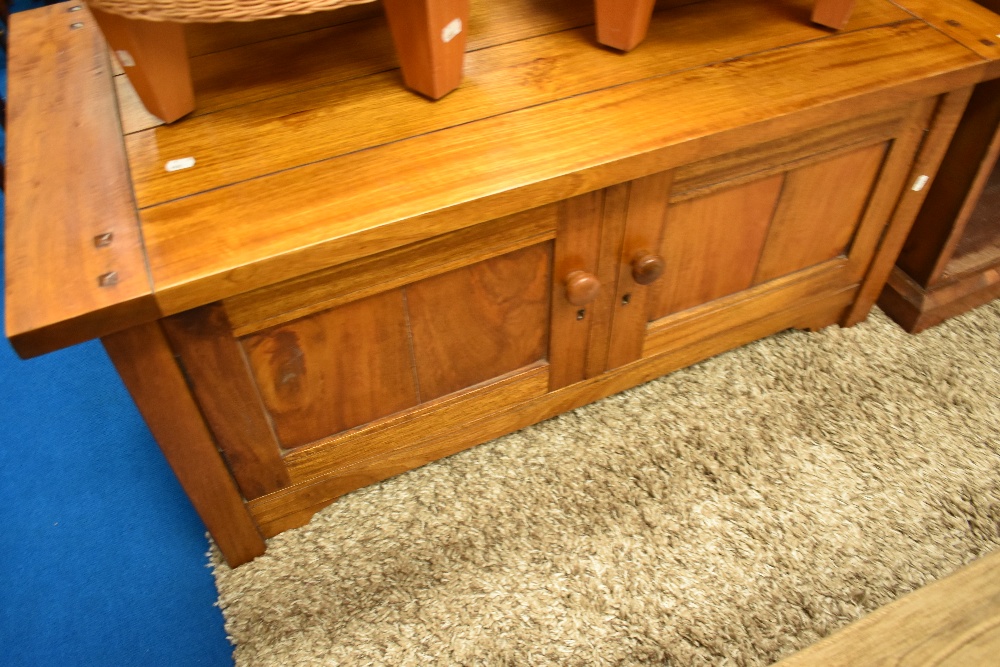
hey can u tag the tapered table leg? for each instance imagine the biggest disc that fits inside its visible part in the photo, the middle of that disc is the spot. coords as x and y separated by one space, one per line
622 24
430 37
832 13
154 57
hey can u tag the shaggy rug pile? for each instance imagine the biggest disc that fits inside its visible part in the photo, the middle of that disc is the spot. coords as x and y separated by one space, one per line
730 513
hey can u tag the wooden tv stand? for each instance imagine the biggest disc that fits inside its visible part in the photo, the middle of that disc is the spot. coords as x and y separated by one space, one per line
351 281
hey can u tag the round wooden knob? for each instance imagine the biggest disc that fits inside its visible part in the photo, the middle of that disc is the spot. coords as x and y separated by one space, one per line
582 288
646 267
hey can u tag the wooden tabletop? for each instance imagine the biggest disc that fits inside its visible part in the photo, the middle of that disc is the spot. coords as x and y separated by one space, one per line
308 152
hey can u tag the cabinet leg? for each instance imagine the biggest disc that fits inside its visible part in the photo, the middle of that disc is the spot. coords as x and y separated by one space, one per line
430 38
622 24
146 364
833 13
154 57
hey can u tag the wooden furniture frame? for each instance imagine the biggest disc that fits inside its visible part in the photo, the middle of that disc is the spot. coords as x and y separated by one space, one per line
951 260
623 24
316 301
429 36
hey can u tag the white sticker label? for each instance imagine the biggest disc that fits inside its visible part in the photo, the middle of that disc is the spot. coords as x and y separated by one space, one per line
919 184
125 58
451 31
182 163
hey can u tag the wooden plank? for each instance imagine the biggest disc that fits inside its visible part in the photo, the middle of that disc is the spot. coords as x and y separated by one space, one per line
820 209
711 246
448 412
341 209
773 157
146 364
481 321
952 622
335 370
577 248
295 505
319 123
601 311
716 317
332 287
228 397
966 22
67 184
647 212
947 115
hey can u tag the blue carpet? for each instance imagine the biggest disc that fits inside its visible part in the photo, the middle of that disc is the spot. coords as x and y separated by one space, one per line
101 555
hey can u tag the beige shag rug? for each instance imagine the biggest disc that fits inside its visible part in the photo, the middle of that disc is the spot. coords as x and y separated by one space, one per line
728 514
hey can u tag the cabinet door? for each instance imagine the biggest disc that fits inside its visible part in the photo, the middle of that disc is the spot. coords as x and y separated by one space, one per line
301 378
719 244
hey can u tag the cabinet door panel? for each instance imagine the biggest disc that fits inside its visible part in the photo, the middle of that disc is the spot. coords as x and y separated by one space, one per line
712 244
336 369
481 321
821 206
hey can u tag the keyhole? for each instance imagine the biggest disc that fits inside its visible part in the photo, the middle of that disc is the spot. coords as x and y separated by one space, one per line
581 313
626 299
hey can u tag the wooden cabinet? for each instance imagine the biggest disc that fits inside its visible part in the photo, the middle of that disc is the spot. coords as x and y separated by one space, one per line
312 378
347 281
951 260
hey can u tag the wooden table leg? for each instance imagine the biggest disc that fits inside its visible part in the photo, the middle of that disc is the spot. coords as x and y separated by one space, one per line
622 24
833 13
154 57
430 38
146 364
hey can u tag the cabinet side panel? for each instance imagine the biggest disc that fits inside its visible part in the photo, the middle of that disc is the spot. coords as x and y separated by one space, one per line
820 208
481 321
219 377
711 245
335 370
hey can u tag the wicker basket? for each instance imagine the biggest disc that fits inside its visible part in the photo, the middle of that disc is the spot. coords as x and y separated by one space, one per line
212 11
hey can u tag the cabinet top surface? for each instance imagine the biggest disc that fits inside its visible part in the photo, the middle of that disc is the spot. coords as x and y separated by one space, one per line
307 151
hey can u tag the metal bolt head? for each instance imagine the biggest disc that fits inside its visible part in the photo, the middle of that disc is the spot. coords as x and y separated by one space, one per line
75 26
102 240
108 279
74 8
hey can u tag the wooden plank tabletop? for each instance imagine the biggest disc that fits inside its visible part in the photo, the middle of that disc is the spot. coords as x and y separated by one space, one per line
309 152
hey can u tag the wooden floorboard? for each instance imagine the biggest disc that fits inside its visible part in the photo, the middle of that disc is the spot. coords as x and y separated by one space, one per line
954 622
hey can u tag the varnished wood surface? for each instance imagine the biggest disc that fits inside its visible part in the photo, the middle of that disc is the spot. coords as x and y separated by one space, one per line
481 321
342 208
953 622
298 173
67 183
312 388
221 381
821 207
145 362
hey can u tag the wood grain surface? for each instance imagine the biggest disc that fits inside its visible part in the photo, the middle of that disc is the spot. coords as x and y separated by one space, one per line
481 321
67 183
337 369
337 210
953 622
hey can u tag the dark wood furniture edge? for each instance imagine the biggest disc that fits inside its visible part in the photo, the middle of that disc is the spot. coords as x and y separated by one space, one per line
916 309
75 263
146 363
